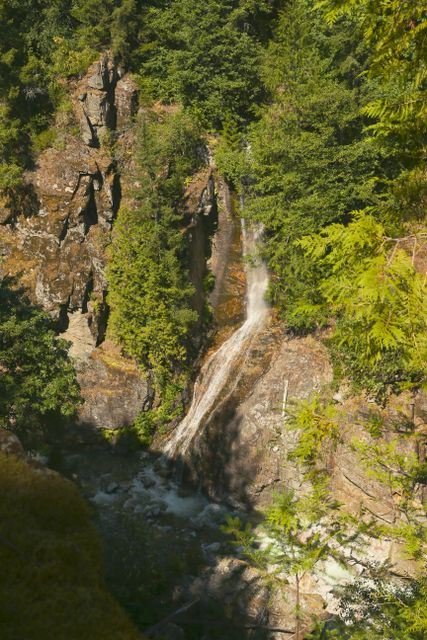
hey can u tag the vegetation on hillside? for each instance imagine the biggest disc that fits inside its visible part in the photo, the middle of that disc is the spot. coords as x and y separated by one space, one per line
51 583
320 107
38 386
336 174
149 288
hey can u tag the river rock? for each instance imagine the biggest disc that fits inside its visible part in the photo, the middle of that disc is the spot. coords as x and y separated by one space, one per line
212 516
214 547
169 631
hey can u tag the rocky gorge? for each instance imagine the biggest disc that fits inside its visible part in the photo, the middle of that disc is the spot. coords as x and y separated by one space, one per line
160 511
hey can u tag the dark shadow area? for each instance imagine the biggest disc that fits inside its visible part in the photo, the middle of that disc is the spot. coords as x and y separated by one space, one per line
51 583
156 562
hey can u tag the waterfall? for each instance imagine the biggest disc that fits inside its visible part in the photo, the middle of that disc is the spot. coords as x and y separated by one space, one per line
221 369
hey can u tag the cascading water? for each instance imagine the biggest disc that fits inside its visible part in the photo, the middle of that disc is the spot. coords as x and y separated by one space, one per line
217 374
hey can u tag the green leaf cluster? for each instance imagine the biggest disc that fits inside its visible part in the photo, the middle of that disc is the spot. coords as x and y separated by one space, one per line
149 287
312 163
315 421
397 34
38 386
376 605
369 282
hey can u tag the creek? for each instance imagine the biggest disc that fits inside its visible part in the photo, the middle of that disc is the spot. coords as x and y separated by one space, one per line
219 373
162 539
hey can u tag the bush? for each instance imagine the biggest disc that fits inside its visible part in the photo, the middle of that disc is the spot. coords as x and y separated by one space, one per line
51 583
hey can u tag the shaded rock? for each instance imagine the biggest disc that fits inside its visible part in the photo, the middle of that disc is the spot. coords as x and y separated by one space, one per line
212 516
11 445
113 388
211 548
126 102
112 487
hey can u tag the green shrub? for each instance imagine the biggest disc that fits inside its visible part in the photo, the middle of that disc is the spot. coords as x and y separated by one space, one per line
51 583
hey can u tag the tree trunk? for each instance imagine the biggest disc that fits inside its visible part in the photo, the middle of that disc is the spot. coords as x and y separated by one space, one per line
297 609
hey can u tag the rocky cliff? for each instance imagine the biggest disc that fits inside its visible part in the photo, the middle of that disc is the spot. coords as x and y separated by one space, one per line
54 234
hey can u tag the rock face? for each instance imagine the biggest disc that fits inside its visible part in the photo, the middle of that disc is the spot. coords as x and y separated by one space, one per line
113 389
105 99
240 455
61 246
201 209
55 232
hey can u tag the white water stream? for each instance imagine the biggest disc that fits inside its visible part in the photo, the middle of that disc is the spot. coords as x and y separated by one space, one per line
221 369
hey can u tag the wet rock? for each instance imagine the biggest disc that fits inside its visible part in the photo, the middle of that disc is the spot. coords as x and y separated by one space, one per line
163 468
113 487
152 511
169 631
212 516
102 498
148 482
214 547
130 504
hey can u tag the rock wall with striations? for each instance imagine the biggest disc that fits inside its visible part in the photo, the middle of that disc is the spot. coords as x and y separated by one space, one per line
55 231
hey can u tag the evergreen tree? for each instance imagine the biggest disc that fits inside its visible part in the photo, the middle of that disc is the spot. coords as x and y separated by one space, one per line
206 55
150 290
38 386
305 531
311 162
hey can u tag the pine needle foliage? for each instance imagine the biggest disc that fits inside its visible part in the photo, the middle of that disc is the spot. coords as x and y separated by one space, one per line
315 421
397 33
302 531
38 386
149 287
312 163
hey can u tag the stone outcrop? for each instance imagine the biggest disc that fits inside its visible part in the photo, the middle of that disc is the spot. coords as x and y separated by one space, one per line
104 100
201 210
59 247
240 455
54 233
113 388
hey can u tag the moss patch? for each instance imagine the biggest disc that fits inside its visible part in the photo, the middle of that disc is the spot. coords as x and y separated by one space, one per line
51 583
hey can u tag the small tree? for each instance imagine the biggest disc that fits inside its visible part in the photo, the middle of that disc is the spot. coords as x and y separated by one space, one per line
383 607
306 530
38 383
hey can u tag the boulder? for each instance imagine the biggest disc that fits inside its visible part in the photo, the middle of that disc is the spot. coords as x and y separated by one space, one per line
113 388
126 102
